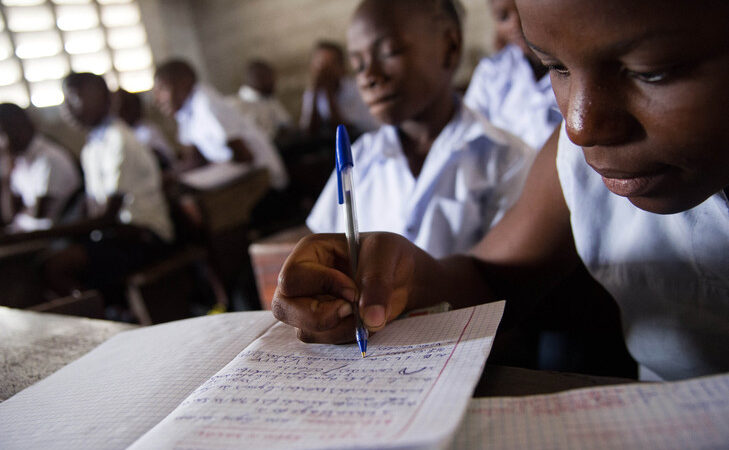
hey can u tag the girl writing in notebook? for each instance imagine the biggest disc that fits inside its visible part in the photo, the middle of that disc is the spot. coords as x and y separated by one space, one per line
633 184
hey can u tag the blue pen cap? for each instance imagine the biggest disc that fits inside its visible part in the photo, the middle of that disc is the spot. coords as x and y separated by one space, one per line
344 157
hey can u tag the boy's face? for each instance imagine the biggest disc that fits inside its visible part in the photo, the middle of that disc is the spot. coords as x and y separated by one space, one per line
643 90
168 96
86 104
401 61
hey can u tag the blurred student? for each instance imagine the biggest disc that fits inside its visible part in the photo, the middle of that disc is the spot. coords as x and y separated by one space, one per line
436 172
633 185
128 107
123 186
214 130
256 99
512 88
38 178
332 97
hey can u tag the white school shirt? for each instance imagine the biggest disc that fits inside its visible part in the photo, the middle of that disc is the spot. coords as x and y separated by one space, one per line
114 161
669 274
266 112
44 169
351 106
208 122
504 90
473 173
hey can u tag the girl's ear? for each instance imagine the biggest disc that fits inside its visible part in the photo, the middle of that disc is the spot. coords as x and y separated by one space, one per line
453 47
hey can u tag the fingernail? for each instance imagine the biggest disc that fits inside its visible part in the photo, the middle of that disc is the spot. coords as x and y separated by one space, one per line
344 310
348 294
374 316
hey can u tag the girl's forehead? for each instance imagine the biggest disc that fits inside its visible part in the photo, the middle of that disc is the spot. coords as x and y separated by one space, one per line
370 25
596 24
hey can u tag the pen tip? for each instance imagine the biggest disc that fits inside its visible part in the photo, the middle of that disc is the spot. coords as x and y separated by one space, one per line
363 354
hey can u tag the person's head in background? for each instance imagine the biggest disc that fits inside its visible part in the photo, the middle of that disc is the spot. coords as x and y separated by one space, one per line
327 64
509 32
16 129
127 106
404 54
88 99
173 83
643 90
261 77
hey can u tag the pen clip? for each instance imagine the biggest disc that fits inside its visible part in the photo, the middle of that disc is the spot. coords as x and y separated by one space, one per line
344 158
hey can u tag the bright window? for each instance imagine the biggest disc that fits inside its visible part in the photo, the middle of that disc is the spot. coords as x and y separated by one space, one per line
42 40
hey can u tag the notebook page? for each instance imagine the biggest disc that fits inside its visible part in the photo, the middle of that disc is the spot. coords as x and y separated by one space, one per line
411 390
121 389
678 415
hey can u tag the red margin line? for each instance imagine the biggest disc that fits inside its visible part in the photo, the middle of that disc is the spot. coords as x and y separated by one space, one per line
417 410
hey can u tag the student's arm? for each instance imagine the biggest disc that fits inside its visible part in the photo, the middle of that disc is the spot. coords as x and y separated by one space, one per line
9 204
46 206
523 256
191 159
241 153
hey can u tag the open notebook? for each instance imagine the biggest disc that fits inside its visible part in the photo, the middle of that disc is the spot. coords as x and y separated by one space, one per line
690 414
243 380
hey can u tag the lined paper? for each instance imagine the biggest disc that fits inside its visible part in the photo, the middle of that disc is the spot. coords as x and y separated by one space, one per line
118 391
412 389
691 414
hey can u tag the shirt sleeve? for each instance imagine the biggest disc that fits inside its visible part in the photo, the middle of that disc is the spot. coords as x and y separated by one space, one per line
476 96
323 217
512 168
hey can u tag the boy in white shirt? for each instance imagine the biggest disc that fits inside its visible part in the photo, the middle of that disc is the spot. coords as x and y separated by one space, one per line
214 130
437 172
512 88
38 178
332 97
123 187
256 99
128 107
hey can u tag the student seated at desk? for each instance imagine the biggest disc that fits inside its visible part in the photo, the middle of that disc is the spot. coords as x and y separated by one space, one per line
37 177
128 107
438 173
633 184
214 130
512 88
256 99
123 185
332 97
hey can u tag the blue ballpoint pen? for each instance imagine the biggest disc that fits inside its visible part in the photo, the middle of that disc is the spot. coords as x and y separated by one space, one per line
345 164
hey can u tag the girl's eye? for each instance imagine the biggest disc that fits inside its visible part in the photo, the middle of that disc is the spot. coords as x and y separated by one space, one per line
389 52
558 68
649 77
357 65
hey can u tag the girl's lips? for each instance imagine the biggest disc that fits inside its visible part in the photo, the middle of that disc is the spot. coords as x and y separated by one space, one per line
383 99
632 186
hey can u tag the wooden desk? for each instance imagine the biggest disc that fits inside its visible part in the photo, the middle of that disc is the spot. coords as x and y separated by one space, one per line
34 345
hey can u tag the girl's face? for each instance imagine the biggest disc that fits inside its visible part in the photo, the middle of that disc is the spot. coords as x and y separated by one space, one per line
642 86
402 60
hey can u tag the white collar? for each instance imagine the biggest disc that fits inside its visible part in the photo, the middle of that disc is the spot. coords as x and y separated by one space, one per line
248 94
